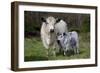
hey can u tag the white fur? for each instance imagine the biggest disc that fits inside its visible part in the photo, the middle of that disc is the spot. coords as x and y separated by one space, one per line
66 43
61 27
48 38
74 35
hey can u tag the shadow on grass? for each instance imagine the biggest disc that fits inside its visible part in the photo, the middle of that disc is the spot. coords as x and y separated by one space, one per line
81 52
69 53
35 58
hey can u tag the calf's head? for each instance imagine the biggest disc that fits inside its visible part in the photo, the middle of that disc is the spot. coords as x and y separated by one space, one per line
62 38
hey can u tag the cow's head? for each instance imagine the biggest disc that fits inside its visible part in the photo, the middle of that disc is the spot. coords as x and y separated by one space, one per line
50 23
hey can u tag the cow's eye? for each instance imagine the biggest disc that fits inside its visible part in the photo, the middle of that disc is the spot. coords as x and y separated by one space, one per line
57 33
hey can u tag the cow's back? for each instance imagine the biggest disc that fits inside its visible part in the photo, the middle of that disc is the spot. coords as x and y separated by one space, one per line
61 27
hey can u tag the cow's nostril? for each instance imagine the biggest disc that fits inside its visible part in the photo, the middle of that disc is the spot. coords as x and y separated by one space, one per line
52 30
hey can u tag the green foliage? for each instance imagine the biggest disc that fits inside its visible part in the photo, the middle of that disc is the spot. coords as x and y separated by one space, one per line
74 29
86 24
76 22
31 23
34 49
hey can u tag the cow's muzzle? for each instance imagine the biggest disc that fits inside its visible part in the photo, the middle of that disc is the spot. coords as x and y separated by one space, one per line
51 30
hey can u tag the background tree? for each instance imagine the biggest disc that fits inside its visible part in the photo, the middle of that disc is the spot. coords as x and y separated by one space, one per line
77 22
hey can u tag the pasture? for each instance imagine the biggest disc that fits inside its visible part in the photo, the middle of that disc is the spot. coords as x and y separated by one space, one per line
33 46
35 51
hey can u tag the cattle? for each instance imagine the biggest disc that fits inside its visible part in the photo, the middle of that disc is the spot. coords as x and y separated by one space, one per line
48 35
60 27
69 41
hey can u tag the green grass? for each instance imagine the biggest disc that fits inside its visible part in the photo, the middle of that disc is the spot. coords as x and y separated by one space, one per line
35 51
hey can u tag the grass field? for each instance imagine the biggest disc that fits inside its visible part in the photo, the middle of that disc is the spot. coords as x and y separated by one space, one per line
35 51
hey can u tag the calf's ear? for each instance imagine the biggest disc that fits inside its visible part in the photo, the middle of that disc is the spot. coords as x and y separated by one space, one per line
43 19
64 33
58 20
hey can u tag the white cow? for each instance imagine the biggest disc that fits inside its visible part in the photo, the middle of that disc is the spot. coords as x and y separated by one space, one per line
60 27
48 35
69 41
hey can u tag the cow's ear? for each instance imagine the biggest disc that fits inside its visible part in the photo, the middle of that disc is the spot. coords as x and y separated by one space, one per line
58 20
43 19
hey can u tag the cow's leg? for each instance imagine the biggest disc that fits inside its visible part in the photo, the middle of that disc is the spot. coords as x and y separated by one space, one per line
64 53
77 48
74 50
47 53
57 49
51 52
54 52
